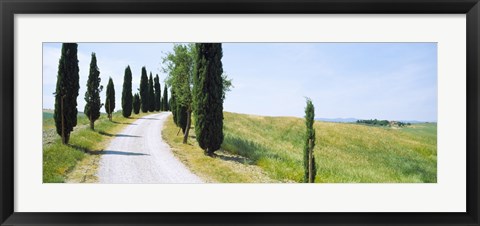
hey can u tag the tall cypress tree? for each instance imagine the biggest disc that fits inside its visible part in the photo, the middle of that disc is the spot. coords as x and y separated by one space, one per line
208 96
110 99
158 94
127 93
308 158
165 99
144 90
151 94
93 104
66 92
136 103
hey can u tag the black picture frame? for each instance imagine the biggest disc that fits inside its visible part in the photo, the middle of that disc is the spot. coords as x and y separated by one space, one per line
9 8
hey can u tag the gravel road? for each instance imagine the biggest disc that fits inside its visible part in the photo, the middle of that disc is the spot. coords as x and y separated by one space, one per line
138 154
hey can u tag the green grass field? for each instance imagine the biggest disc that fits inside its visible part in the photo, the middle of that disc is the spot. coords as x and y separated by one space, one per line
59 159
345 152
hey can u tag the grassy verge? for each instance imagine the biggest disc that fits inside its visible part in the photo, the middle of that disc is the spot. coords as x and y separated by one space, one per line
77 161
226 167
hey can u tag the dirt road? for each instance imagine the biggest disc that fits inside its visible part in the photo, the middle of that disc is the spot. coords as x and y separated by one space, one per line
138 154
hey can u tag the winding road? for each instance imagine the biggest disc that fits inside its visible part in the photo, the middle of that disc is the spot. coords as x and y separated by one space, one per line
138 154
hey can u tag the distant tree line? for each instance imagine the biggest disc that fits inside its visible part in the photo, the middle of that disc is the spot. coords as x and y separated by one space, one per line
376 122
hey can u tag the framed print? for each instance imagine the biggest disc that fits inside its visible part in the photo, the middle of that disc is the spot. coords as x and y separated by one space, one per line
238 113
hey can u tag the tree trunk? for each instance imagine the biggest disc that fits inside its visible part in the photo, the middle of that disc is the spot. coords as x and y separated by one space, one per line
187 129
310 161
209 153
109 111
64 140
67 138
92 125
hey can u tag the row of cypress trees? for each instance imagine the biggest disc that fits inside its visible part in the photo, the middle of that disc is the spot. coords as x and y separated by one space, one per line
149 98
198 66
66 93
150 93
207 98
67 88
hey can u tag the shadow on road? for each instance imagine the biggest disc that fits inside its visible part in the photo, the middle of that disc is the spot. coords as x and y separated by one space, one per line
150 118
126 123
116 135
111 152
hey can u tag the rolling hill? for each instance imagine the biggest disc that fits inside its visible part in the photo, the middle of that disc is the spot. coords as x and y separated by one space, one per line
345 152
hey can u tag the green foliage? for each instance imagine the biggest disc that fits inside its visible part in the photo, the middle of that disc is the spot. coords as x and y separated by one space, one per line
144 94
208 96
179 66
309 144
110 99
158 94
136 103
151 94
127 102
66 92
376 122
166 106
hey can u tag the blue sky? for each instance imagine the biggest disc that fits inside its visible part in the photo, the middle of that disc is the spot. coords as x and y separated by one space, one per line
394 81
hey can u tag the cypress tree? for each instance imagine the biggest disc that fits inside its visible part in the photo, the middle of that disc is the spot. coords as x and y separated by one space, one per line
92 96
66 92
127 93
110 99
151 94
165 99
144 90
158 94
136 103
308 158
208 96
